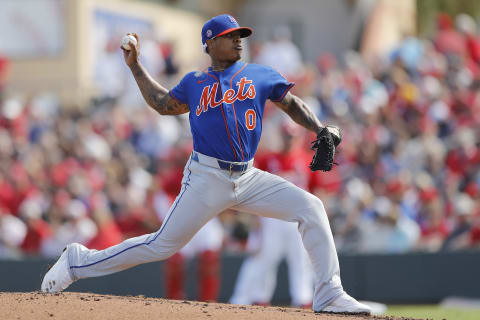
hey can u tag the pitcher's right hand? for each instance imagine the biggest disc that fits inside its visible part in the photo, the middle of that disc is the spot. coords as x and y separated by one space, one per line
131 56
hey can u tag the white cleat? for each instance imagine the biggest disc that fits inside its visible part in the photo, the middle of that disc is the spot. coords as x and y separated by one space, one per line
345 304
58 278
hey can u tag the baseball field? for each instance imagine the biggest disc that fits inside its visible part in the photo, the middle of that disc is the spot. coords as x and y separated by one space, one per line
72 306
434 312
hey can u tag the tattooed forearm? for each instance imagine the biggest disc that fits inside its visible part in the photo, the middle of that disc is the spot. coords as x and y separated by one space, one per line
154 94
168 105
300 112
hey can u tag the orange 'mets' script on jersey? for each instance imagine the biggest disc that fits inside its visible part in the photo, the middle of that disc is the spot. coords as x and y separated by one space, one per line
209 93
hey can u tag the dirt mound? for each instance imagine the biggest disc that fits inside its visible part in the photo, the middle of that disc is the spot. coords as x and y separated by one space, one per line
81 306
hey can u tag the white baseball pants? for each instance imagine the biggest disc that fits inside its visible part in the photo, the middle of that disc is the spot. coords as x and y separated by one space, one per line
208 191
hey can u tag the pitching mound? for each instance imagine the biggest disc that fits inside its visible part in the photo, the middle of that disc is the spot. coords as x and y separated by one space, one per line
81 306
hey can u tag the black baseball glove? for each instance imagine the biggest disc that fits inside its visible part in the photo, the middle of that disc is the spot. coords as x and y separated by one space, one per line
327 140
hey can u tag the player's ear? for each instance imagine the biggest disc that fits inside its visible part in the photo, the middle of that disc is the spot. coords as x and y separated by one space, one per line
210 43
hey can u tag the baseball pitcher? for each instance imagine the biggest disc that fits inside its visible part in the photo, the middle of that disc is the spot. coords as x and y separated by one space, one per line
225 105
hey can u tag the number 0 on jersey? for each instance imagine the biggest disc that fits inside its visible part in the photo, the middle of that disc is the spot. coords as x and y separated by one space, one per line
250 119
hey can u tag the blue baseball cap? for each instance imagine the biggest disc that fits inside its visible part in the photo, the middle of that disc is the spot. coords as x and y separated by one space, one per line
220 25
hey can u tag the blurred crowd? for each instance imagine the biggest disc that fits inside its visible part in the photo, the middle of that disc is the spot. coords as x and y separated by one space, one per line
408 177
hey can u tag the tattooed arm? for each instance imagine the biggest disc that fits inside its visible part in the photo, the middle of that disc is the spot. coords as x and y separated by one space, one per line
300 112
154 94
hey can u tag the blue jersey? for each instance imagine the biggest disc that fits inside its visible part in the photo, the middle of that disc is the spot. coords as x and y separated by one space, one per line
226 108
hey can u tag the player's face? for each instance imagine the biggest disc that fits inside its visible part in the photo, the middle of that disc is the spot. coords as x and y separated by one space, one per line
227 47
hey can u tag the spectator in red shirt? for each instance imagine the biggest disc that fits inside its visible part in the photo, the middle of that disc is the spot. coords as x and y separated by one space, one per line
467 26
108 232
4 68
38 230
434 229
475 231
290 161
448 40
459 238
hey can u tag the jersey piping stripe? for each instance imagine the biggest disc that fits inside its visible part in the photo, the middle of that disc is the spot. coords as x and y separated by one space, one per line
158 233
233 107
171 95
285 92
178 100
228 133
224 118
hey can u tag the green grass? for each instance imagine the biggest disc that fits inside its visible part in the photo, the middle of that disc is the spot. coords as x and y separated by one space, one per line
433 312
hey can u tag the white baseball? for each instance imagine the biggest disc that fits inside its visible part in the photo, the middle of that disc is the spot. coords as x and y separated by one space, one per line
334 130
127 41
